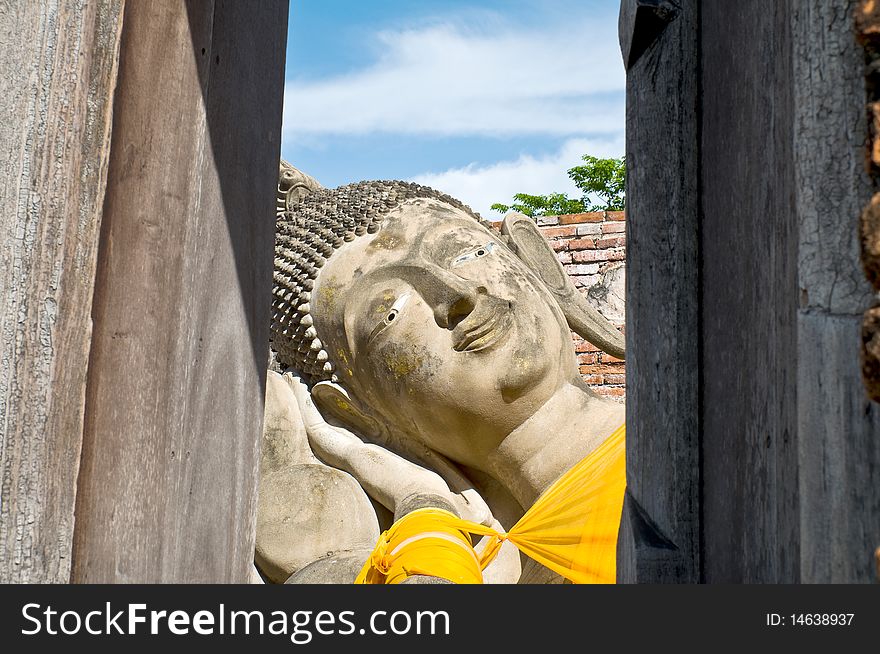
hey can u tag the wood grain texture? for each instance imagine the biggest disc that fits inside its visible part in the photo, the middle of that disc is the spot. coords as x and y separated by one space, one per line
839 454
749 295
640 23
57 73
838 426
829 155
659 539
788 450
167 491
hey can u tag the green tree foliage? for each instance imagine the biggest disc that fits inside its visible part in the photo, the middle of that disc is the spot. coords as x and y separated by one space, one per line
601 179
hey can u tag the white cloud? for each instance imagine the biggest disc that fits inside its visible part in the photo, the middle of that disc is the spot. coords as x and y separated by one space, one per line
450 80
482 186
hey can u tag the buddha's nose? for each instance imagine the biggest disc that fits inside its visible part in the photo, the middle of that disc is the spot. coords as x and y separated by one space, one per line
454 298
451 298
459 306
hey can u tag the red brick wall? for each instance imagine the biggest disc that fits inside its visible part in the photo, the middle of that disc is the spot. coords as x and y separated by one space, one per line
589 246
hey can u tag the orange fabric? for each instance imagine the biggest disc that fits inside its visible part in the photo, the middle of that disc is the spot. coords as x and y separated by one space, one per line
571 529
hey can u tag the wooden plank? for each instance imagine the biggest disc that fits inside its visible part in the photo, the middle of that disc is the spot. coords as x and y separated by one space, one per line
177 373
839 454
640 24
749 295
659 539
838 427
829 156
57 73
788 453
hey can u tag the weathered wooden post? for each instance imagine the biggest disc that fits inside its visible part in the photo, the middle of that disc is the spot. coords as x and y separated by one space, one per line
749 295
174 405
57 73
659 538
163 394
746 260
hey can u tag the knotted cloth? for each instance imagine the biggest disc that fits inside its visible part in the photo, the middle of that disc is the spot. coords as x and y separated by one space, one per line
571 529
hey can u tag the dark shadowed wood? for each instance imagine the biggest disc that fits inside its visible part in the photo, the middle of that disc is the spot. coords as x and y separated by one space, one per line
839 454
829 155
838 426
57 72
177 371
659 539
640 24
749 294
789 445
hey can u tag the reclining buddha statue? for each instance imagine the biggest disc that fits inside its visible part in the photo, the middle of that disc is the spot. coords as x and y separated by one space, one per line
423 369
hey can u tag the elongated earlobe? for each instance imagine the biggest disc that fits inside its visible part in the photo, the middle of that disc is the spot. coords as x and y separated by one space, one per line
532 248
335 402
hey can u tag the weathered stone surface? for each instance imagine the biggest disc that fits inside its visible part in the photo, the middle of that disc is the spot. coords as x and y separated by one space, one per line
608 295
324 222
293 186
306 512
341 568
285 442
425 579
582 316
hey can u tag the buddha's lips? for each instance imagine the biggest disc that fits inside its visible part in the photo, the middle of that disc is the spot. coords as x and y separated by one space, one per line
489 321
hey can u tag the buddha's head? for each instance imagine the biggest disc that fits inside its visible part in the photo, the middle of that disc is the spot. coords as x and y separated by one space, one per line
398 303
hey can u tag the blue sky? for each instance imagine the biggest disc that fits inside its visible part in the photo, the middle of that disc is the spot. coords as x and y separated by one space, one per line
478 99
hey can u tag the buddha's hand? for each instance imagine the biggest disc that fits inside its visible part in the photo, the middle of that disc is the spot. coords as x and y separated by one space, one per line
387 477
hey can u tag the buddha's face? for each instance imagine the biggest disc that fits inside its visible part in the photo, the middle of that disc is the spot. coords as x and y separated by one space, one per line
437 327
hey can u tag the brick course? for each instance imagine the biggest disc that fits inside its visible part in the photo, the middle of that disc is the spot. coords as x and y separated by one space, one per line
559 232
587 244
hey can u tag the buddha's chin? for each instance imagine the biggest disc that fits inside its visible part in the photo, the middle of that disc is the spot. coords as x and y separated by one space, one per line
530 365
528 374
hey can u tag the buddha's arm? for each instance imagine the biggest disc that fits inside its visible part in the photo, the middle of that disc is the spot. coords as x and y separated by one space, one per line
395 482
401 485
294 528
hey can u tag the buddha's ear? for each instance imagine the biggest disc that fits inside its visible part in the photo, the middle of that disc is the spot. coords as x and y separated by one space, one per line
532 248
334 402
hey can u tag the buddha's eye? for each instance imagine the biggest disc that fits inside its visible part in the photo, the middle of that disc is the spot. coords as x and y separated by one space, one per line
476 253
391 316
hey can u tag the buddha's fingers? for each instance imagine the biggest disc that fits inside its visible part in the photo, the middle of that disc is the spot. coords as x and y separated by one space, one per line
386 476
312 418
333 445
473 507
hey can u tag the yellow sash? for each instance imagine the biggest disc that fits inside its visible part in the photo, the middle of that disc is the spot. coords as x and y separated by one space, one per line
571 529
